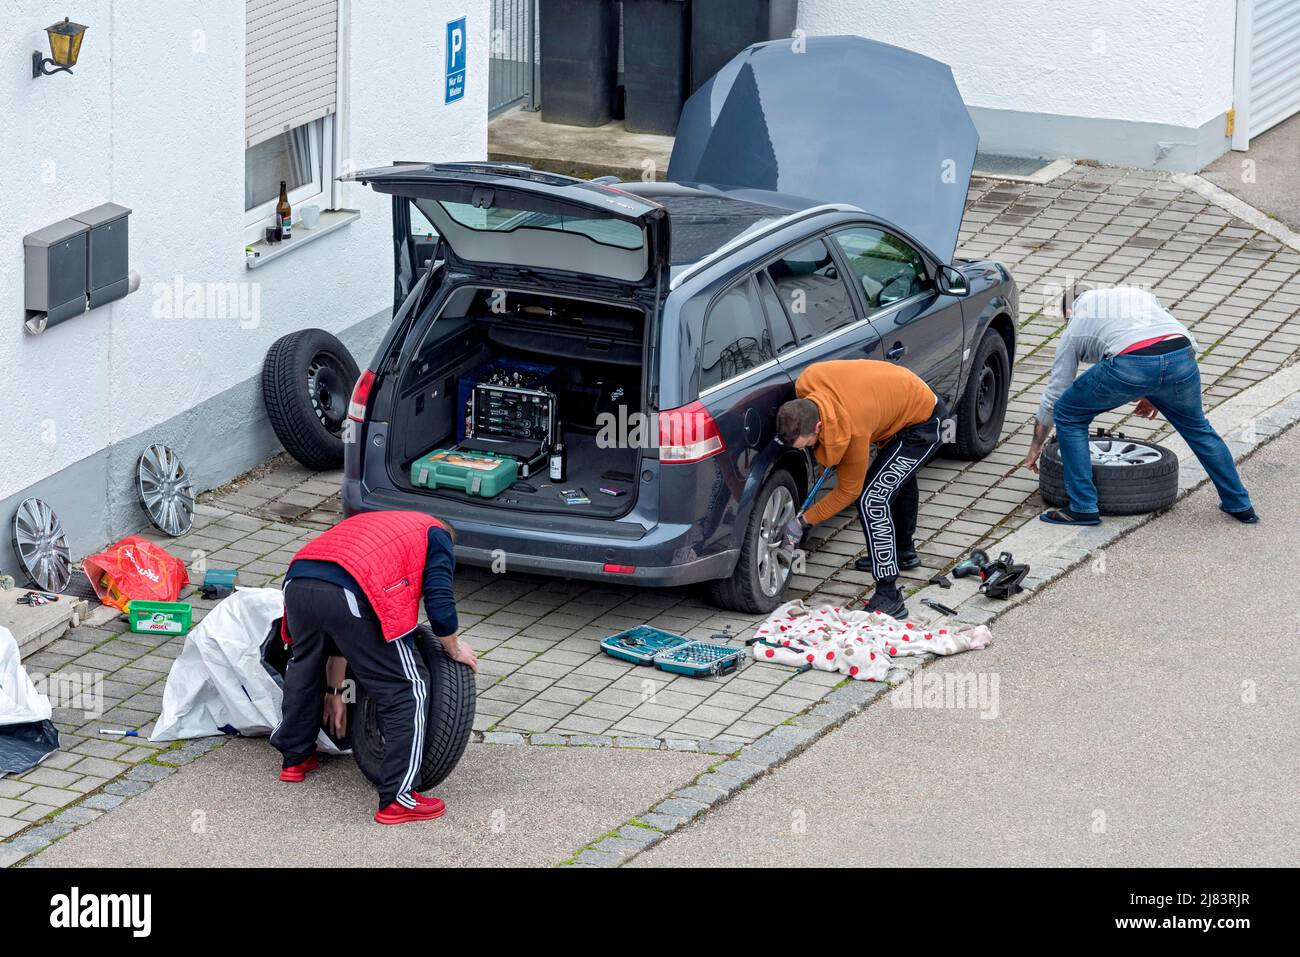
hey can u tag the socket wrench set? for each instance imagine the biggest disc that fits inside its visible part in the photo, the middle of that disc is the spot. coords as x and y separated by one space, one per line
507 420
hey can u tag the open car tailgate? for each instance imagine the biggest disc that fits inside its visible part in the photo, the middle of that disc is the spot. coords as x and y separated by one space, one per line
509 215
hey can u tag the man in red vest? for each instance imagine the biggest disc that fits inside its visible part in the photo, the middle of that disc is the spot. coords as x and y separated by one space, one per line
355 590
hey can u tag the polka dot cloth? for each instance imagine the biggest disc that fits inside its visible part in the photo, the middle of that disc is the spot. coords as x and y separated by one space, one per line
859 644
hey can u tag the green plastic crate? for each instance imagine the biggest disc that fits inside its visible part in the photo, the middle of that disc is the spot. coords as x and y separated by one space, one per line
484 474
160 617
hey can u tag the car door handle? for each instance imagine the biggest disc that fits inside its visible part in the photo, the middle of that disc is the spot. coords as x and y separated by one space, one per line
896 353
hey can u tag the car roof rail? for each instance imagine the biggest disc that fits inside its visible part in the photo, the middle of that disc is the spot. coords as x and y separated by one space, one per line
729 247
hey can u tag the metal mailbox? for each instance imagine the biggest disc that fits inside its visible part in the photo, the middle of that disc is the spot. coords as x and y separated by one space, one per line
55 273
76 264
107 262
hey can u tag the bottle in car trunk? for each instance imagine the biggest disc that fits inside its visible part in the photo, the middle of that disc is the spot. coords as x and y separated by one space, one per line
283 212
559 465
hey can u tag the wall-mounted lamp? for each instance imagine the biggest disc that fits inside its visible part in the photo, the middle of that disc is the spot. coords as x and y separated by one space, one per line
65 44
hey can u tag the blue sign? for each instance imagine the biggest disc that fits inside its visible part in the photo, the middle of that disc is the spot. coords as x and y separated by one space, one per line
455 60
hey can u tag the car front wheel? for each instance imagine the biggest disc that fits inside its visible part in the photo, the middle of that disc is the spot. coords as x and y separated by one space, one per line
763 571
983 405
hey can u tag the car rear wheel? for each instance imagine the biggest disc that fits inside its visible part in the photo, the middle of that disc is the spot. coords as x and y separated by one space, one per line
763 571
983 405
452 696
307 380
1132 477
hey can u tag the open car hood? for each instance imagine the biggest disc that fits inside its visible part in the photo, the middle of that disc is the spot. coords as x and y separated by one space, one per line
846 120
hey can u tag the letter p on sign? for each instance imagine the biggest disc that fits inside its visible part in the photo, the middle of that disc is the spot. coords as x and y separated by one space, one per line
455 60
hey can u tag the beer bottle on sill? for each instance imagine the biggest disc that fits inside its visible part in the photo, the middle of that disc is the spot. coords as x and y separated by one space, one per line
283 212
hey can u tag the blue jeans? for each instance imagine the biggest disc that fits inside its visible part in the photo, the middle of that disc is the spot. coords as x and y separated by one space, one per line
1172 383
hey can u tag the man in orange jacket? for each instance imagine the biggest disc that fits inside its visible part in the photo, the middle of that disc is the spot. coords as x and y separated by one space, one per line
843 408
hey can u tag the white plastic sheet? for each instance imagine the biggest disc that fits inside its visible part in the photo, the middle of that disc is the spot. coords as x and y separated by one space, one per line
218 683
27 735
20 701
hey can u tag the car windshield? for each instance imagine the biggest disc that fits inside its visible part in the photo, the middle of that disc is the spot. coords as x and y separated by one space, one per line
604 230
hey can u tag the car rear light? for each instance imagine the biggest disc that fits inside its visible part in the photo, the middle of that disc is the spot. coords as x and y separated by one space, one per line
620 569
361 397
688 434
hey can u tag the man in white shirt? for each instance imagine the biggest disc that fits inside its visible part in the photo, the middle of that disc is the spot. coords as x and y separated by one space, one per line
1141 353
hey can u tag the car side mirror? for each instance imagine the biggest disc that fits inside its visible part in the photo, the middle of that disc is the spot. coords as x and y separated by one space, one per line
952 282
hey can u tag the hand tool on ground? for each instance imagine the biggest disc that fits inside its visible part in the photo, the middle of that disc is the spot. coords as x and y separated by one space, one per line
971 565
941 609
1003 578
998 579
941 581
124 733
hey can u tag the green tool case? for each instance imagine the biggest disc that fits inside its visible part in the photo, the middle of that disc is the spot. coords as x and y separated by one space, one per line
484 474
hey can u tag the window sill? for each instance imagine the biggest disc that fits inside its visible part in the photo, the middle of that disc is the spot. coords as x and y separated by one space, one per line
330 220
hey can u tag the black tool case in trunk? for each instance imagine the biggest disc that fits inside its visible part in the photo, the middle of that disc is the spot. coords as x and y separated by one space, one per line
516 422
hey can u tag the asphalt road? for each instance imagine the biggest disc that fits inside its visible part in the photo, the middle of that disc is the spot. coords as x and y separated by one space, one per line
1264 175
506 805
1147 714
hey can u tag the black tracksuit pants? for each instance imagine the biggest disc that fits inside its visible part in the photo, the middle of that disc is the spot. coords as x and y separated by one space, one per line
324 617
888 505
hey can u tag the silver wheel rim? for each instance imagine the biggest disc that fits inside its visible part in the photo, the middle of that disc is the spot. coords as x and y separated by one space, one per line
773 560
42 546
165 490
1122 452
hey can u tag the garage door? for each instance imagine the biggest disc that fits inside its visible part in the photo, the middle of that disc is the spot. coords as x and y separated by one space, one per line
1274 64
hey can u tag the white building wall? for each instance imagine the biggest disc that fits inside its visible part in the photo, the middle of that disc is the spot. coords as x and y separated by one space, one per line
152 118
1149 69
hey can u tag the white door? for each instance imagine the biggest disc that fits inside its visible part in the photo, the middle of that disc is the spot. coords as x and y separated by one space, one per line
1274 64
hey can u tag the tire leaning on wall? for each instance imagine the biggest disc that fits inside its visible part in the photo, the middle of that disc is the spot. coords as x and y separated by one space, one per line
1121 489
307 380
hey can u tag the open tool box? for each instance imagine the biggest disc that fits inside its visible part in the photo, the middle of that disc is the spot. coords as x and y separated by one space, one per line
645 645
514 373
520 423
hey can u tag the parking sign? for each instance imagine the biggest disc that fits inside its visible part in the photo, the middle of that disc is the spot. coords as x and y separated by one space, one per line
455 60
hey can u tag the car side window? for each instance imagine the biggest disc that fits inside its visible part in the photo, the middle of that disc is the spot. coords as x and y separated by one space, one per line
812 291
782 334
887 268
735 336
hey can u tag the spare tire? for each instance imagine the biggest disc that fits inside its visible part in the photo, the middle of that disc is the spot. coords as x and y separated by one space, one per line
307 381
452 695
1132 477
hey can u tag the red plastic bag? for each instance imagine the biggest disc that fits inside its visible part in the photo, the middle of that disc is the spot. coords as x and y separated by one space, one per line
135 569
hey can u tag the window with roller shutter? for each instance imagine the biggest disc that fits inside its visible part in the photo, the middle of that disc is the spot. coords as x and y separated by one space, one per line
291 96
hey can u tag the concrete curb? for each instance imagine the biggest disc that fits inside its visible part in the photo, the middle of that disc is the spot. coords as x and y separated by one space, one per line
1247 421
1240 208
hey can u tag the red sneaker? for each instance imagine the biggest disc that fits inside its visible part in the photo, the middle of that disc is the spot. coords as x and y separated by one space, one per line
298 772
429 801
400 814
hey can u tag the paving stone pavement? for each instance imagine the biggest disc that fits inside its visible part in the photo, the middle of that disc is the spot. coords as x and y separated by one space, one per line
543 680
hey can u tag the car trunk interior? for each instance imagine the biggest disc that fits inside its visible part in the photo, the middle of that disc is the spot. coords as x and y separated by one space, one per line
588 354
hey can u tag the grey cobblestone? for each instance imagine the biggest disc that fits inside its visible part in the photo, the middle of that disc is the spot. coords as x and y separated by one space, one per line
149 772
701 793
103 801
591 741
679 807
504 737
